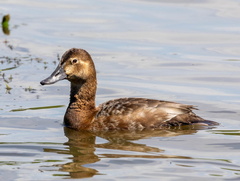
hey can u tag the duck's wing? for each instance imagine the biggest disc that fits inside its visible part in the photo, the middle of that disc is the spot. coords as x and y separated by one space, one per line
146 113
125 106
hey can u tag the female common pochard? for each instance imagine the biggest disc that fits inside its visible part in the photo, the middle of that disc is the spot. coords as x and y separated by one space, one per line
76 65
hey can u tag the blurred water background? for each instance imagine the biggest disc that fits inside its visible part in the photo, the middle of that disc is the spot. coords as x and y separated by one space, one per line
185 51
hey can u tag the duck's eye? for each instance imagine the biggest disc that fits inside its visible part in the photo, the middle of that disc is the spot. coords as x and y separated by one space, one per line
74 61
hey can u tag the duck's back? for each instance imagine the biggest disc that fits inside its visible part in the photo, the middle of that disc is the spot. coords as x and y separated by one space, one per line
140 113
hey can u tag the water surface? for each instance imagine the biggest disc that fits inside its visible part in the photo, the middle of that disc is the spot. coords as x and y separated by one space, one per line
184 51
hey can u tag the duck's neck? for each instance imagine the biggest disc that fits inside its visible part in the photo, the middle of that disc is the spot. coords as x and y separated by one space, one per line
83 93
81 109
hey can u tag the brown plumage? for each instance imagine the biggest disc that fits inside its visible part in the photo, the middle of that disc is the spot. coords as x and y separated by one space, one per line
76 65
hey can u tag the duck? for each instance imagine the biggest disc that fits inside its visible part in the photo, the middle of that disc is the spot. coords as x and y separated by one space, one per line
76 65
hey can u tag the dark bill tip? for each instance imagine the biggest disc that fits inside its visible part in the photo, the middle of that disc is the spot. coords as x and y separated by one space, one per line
42 82
47 81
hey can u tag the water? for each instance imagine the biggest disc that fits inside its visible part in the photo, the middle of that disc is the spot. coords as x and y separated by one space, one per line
183 51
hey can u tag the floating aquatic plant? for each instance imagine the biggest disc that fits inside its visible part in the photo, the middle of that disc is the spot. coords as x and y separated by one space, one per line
36 108
8 88
5 24
30 89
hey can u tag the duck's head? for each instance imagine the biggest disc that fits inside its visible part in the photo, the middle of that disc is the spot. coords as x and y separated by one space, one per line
76 65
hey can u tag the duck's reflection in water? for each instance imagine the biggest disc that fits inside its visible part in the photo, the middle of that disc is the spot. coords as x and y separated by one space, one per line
82 146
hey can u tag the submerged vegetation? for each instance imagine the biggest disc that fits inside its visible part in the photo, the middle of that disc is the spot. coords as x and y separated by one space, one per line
7 65
15 91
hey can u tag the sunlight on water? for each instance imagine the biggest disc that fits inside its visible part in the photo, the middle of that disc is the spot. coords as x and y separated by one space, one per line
183 51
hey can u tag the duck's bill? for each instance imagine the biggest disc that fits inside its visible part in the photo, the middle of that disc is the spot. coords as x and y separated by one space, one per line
56 76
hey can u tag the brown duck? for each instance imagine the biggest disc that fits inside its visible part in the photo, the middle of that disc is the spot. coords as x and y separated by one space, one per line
76 65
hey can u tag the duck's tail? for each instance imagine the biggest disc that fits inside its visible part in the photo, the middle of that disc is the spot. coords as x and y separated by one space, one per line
190 119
